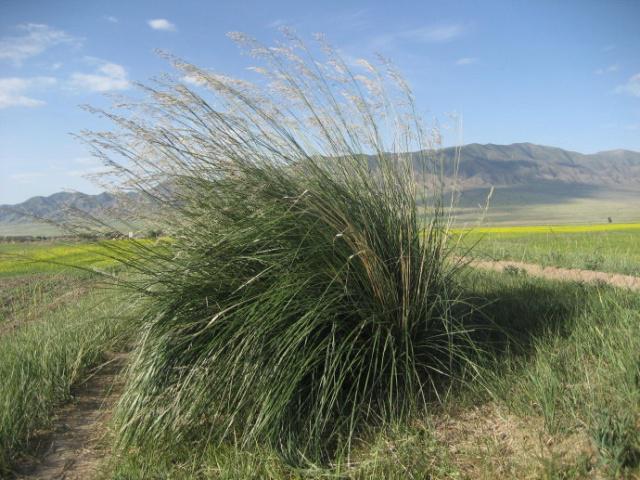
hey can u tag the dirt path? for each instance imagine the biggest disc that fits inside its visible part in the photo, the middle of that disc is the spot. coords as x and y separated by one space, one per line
566 274
72 449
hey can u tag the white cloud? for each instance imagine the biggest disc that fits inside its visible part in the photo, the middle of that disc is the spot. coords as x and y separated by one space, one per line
632 87
609 69
162 24
108 77
467 61
13 91
36 39
111 18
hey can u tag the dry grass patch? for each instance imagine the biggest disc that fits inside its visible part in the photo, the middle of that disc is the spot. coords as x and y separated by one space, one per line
489 442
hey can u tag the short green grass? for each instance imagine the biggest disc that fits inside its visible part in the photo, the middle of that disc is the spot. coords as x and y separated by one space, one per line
608 250
43 257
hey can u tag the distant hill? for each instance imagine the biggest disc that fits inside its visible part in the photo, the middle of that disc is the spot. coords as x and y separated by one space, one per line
535 184
524 163
54 206
532 184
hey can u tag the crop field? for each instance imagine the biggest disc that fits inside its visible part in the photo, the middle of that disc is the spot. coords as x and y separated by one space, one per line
51 257
605 247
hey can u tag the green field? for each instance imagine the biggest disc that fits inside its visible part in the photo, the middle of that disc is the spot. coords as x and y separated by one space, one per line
53 256
606 247
558 377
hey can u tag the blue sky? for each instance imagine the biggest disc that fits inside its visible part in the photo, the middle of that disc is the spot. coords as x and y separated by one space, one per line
561 73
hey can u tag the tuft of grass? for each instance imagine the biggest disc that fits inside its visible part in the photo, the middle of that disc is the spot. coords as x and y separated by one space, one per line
302 297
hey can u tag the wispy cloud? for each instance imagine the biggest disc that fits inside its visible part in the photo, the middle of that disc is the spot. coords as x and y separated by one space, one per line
85 167
608 48
434 33
111 18
108 77
34 39
13 91
467 61
610 69
632 87
162 24
441 33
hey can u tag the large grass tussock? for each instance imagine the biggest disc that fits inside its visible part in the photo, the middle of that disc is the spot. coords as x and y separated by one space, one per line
301 296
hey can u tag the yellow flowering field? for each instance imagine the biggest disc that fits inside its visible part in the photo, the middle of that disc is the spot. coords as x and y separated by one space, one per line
48 257
526 229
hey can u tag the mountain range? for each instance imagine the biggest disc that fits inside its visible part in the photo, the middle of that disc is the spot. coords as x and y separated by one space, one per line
523 163
523 176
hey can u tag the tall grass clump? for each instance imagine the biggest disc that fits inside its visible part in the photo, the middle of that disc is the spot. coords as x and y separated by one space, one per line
301 295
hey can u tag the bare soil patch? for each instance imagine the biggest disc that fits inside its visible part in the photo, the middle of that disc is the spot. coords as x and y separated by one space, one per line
74 448
567 274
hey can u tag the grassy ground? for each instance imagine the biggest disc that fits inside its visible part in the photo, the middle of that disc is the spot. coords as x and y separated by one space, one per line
555 396
55 325
605 247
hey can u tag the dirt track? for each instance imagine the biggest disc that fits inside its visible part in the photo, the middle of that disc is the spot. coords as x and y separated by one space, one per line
566 274
72 449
